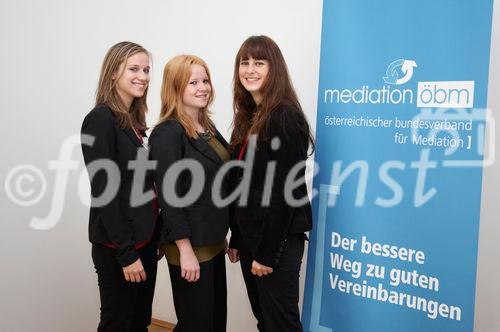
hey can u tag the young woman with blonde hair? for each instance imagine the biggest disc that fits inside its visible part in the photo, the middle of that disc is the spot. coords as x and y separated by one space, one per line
121 228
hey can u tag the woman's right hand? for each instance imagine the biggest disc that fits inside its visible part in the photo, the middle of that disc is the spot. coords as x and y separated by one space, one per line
190 268
134 272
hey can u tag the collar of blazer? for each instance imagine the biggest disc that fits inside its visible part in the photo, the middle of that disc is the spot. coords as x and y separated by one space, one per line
129 131
133 136
203 147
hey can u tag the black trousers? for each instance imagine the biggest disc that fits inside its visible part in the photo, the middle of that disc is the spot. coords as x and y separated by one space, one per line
201 305
274 298
125 306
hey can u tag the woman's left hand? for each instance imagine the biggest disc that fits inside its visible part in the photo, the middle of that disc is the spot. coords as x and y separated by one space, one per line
260 270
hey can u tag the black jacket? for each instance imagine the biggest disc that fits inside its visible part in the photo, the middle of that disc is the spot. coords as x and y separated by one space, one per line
264 229
201 221
117 224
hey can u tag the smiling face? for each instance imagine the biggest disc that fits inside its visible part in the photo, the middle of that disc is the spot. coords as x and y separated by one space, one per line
132 78
253 74
198 90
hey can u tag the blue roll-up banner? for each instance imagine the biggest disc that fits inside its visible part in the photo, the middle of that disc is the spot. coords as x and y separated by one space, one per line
400 149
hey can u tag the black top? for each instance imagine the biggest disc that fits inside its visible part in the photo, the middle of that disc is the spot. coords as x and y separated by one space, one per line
264 229
123 223
201 220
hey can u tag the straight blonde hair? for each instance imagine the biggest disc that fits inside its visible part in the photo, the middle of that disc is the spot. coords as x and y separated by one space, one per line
106 89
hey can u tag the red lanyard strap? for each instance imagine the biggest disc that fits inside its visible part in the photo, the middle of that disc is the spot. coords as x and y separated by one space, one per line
138 134
240 156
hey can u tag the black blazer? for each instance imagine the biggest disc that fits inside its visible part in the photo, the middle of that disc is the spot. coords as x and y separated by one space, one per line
264 229
117 224
202 221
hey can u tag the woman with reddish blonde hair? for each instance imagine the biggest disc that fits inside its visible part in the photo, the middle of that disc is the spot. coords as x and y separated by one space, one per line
194 229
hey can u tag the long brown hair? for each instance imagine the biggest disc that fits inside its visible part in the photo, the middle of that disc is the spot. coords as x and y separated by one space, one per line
277 90
176 76
106 89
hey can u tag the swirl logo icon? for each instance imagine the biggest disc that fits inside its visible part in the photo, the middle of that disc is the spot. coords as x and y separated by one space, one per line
399 71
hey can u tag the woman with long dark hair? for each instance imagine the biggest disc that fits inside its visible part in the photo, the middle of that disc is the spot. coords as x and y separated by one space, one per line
121 226
268 230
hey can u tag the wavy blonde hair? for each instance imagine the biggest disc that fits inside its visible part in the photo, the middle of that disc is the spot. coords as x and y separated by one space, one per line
176 76
106 89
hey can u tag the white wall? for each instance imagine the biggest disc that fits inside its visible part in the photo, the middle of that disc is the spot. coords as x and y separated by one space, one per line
487 318
51 57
